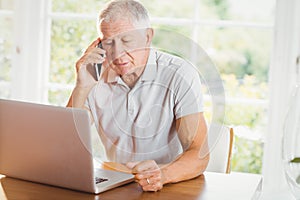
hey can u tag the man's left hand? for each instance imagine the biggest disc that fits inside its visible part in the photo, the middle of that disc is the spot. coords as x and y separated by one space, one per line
147 174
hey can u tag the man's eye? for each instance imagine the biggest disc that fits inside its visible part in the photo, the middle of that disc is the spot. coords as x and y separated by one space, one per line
107 43
127 40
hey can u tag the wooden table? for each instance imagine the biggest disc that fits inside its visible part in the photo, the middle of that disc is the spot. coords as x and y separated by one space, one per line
239 186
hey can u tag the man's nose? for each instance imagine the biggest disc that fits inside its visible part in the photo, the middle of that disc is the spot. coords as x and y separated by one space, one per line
118 50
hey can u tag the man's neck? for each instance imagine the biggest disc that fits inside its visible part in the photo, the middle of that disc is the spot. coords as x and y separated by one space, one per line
132 78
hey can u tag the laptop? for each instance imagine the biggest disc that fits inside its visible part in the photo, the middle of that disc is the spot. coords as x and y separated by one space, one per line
52 145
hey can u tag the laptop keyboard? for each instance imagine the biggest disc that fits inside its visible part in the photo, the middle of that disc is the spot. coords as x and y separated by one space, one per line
100 180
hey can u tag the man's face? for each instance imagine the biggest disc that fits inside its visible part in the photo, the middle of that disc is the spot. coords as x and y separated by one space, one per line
126 46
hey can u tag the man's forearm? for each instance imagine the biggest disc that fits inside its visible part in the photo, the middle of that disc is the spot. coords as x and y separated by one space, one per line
194 160
78 97
186 167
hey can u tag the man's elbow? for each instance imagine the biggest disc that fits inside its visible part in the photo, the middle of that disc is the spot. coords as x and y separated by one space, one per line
203 162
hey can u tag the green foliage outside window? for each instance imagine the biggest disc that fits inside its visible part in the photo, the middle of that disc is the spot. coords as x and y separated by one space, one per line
247 155
69 38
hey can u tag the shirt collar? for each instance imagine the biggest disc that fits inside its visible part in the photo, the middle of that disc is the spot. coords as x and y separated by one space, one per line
112 76
148 74
150 71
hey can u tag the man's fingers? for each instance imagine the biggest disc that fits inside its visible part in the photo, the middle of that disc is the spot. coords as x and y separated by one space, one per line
148 165
147 174
151 181
152 173
85 58
93 45
100 51
94 58
153 187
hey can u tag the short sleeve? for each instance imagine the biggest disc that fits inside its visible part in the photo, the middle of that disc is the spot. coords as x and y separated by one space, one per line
188 97
89 104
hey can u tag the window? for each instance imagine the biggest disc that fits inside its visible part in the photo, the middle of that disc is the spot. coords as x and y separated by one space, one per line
237 35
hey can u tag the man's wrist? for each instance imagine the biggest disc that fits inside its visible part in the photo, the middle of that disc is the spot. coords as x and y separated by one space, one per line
79 96
84 87
165 179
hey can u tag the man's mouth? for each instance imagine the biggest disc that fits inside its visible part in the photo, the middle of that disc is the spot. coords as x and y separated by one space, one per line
123 64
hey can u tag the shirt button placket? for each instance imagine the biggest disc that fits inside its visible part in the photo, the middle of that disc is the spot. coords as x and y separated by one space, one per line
130 104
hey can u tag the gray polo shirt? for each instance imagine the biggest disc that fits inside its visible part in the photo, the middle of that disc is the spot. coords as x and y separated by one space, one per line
138 123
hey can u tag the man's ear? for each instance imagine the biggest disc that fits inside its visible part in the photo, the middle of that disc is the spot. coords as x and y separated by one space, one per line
149 35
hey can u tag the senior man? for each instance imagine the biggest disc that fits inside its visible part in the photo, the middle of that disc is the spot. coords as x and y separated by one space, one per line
147 105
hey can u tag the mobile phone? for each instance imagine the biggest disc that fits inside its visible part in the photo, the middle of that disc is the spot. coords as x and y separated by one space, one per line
98 66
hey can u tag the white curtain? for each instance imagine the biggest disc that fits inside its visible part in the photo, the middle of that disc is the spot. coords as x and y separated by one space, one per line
282 79
31 50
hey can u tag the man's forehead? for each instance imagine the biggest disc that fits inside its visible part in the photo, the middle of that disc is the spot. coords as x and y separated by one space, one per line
117 28
133 34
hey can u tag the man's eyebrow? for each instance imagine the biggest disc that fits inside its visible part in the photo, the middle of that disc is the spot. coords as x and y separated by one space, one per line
128 35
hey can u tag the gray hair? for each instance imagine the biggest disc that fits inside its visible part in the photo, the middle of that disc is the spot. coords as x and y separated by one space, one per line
131 9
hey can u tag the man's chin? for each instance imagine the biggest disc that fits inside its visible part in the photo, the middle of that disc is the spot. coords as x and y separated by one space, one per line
128 74
135 70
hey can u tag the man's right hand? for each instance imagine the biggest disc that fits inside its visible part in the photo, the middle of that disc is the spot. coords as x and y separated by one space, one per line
85 65
85 80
